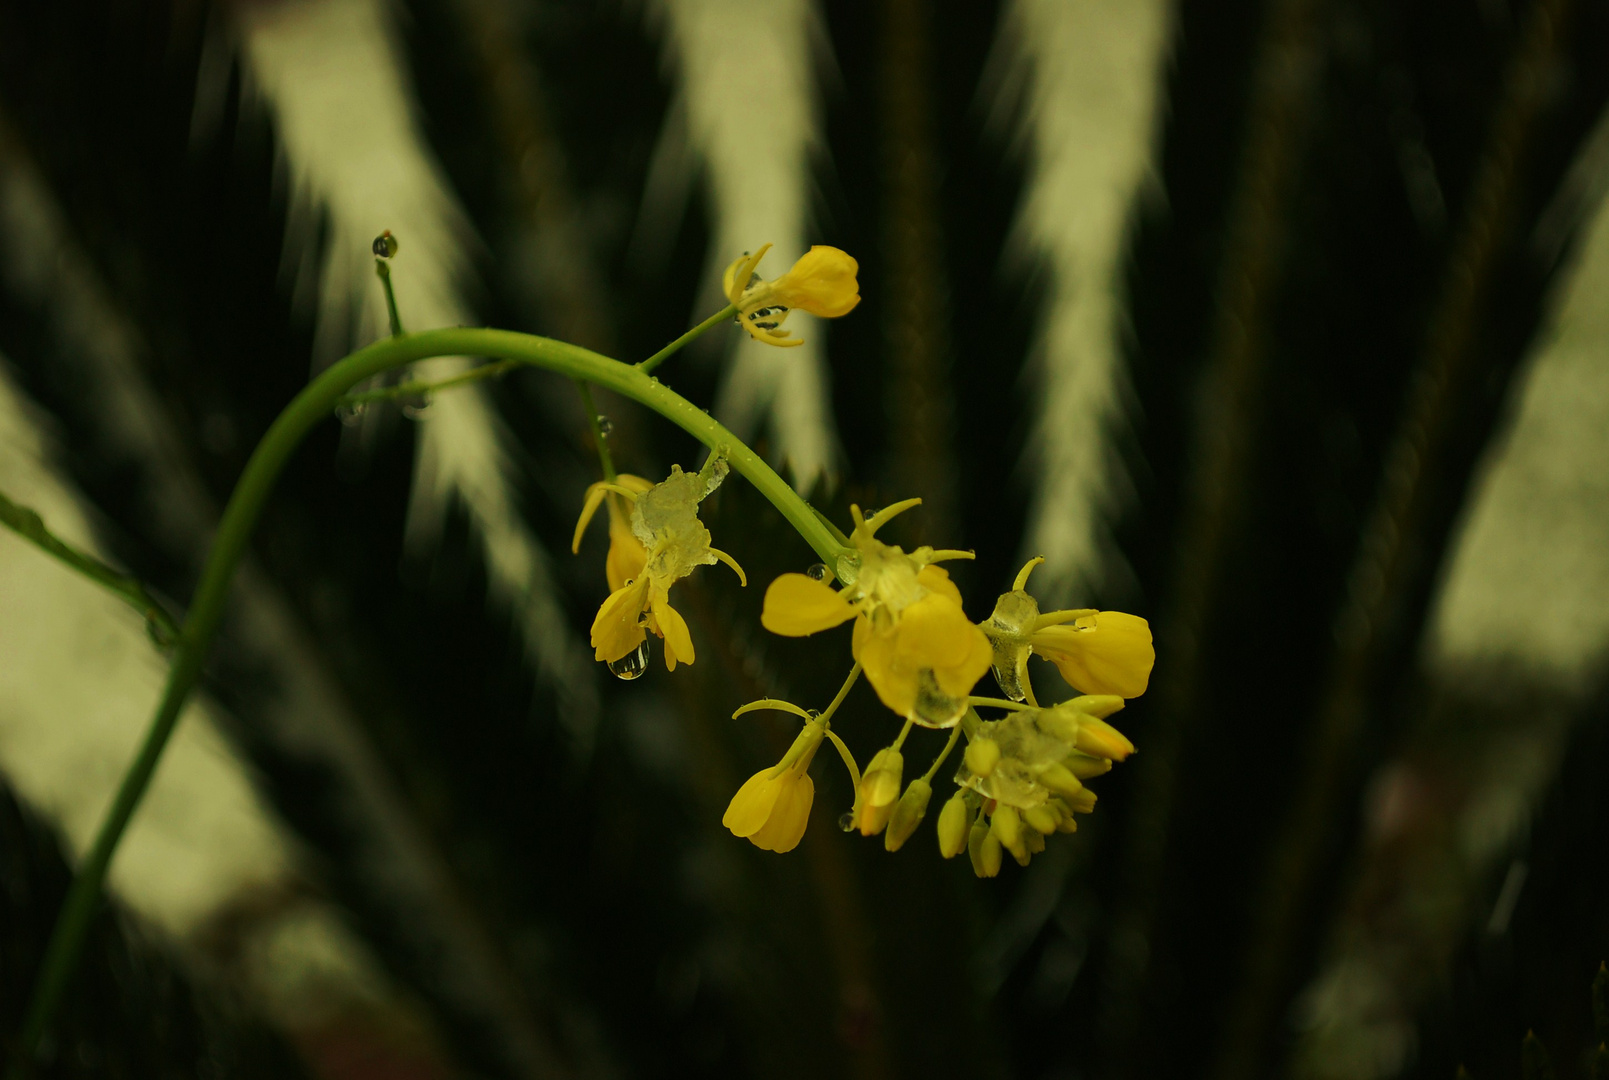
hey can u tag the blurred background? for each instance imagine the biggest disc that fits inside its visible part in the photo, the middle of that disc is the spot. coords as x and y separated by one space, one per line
1283 324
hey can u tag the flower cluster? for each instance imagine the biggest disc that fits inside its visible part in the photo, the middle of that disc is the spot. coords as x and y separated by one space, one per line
1023 771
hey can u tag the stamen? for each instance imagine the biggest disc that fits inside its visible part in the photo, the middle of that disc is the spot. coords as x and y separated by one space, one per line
772 703
1022 575
1056 618
889 513
742 578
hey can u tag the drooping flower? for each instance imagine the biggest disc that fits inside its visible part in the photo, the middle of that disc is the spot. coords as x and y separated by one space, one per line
772 807
822 282
919 650
663 542
1097 652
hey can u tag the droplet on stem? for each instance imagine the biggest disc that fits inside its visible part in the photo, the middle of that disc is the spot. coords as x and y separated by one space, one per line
606 426
818 572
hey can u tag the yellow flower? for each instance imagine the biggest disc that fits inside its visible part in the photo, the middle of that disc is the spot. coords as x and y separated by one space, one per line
661 542
1097 652
772 807
919 650
822 282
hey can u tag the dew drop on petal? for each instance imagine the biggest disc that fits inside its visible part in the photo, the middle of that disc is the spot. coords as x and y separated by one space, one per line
633 664
818 572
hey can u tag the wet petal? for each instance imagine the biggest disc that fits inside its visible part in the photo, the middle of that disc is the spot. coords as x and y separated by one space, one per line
678 642
615 631
796 605
746 814
822 282
1109 652
937 579
627 557
789 816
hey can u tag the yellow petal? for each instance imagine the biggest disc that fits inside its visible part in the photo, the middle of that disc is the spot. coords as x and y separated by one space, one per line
594 499
937 579
678 642
786 826
627 557
822 282
1109 652
615 631
796 605
932 634
746 814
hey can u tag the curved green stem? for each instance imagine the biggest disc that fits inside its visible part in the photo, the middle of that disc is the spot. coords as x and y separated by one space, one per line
424 388
664 354
316 402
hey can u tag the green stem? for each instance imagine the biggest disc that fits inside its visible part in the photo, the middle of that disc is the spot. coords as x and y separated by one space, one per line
316 402
425 389
30 526
955 733
664 354
605 458
382 270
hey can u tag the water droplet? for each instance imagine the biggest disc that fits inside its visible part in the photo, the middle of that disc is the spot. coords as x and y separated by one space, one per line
1010 685
846 821
633 664
606 426
814 714
351 413
416 408
385 245
818 572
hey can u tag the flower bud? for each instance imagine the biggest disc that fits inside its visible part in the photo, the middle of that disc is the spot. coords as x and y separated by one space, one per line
1099 706
1101 739
1059 779
880 785
1042 819
908 814
1082 802
954 822
1034 841
1084 767
984 848
981 756
1006 825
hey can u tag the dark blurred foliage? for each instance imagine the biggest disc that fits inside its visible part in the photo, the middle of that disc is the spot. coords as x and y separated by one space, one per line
1286 294
131 1013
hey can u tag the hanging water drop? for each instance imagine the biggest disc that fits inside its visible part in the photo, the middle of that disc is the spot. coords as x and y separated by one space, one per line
818 572
633 664
351 412
415 408
606 426
846 821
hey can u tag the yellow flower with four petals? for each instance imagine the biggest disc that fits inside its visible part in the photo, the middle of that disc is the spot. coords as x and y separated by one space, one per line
919 650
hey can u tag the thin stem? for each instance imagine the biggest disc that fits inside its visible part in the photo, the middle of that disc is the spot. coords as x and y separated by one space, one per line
843 692
30 526
899 740
421 387
605 458
664 354
382 270
955 735
315 403
997 703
